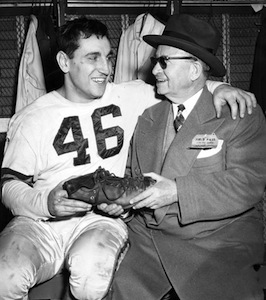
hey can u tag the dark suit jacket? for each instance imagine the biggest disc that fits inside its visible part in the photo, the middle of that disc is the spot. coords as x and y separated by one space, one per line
214 225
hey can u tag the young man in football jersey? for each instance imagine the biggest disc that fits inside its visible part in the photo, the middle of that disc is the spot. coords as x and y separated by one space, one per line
85 124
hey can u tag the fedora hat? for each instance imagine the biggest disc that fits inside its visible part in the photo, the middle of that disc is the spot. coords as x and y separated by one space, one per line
191 35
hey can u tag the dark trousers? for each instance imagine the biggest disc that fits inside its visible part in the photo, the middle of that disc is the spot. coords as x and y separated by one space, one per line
196 268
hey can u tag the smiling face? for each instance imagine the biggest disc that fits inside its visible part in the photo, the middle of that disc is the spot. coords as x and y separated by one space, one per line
175 81
88 71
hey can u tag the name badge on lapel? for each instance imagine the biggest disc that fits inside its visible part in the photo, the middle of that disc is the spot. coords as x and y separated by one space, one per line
204 141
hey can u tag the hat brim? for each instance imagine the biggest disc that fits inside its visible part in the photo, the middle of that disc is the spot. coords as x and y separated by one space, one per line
216 66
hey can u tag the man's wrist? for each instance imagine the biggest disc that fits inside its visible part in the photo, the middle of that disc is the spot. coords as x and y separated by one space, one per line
212 85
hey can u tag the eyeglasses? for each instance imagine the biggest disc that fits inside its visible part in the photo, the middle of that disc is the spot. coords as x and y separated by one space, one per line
163 59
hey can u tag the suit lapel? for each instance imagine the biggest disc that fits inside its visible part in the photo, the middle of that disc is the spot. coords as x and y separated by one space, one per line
150 137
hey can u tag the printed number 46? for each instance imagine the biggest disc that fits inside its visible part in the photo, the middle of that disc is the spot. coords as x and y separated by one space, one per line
80 144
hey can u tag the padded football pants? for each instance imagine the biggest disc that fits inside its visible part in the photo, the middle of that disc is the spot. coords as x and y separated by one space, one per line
34 251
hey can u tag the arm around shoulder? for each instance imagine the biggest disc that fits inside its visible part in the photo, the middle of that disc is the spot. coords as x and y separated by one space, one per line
239 100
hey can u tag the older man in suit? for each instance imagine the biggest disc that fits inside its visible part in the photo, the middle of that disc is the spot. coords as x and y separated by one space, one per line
197 229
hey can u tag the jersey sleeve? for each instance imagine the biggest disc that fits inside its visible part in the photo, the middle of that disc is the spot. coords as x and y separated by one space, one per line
17 177
212 85
24 200
149 95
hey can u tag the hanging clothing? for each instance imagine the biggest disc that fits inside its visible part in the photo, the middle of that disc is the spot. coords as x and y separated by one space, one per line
31 83
46 38
133 58
258 77
258 7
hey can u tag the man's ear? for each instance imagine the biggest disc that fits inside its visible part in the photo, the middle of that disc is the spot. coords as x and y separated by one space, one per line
63 61
196 70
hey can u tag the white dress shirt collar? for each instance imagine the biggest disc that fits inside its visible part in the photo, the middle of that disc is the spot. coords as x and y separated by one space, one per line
189 104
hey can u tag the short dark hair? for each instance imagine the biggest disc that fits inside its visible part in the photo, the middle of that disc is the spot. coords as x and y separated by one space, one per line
72 31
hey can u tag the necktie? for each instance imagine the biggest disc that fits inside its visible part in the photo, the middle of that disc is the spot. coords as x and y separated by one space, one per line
179 120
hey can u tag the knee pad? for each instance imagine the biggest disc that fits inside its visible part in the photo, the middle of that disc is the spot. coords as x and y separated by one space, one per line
18 266
92 262
15 281
90 280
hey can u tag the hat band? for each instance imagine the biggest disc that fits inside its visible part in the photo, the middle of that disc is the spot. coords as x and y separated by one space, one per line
184 37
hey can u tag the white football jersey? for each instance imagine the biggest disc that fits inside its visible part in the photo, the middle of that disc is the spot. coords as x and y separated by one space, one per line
53 138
